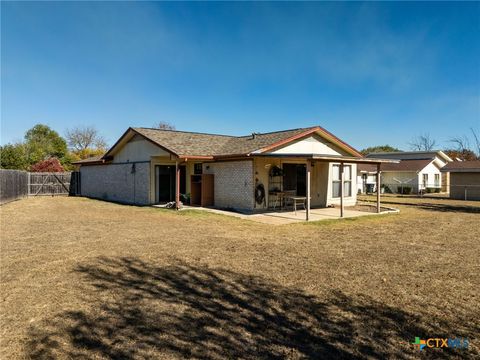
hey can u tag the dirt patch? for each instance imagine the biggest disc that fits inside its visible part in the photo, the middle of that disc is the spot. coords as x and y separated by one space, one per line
86 278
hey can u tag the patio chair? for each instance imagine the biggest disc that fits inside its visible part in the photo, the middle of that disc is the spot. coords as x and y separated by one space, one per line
287 201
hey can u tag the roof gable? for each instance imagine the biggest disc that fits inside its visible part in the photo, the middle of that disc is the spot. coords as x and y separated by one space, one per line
312 144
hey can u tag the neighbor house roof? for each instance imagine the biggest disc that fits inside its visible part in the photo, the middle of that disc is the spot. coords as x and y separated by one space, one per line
192 144
462 166
367 168
90 160
403 165
419 155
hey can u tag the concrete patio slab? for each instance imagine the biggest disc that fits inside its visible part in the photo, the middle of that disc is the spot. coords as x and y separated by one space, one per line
288 217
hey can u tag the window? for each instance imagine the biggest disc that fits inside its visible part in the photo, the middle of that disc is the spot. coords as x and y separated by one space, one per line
337 181
437 180
197 168
425 180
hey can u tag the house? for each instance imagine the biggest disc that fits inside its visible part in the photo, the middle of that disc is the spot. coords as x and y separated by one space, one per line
416 171
464 179
249 173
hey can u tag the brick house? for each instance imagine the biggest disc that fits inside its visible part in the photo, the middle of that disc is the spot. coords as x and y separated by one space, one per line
249 173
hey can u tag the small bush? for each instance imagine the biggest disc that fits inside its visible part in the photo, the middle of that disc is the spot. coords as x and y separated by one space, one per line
430 190
49 165
406 190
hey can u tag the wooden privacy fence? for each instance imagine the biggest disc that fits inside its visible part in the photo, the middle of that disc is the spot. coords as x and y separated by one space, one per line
49 183
13 185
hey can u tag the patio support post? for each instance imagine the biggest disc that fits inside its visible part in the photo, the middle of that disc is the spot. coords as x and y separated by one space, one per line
177 185
378 188
307 208
342 182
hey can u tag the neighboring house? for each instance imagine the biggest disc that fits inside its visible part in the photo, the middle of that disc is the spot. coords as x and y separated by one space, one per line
464 179
417 171
247 173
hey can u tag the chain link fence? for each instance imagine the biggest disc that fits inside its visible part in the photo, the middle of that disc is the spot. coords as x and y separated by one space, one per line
459 192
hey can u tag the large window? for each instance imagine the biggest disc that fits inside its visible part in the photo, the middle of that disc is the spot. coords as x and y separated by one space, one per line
337 181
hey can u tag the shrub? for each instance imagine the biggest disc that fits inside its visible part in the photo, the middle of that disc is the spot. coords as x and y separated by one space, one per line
49 165
406 190
432 190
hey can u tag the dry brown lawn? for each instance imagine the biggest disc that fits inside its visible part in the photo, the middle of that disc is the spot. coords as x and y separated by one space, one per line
91 279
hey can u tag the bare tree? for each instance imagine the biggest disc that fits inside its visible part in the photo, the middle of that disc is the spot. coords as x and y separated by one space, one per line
85 137
476 140
422 142
463 144
164 125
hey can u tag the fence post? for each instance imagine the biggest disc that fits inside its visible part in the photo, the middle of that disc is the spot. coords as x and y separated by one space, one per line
466 197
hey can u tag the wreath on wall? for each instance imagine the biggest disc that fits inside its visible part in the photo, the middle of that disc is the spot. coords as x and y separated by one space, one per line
260 194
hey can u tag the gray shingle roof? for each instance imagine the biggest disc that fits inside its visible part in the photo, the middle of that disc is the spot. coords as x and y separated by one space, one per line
199 144
462 166
407 165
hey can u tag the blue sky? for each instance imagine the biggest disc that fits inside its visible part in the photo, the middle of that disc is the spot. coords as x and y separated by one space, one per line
372 73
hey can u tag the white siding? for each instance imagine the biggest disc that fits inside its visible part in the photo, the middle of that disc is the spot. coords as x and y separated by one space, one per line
432 170
138 149
310 145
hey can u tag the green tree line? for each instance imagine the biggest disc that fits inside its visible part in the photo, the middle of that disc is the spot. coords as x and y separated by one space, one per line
42 143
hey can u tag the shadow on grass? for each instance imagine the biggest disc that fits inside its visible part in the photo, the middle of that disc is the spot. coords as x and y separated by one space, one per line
138 310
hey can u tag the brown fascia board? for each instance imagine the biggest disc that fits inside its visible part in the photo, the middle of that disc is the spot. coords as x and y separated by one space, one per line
196 157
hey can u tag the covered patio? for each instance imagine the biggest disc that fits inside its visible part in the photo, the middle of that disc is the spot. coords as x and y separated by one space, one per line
304 202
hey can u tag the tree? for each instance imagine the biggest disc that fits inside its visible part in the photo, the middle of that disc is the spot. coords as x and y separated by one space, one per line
422 142
379 149
49 165
463 145
163 125
41 143
464 155
82 139
13 156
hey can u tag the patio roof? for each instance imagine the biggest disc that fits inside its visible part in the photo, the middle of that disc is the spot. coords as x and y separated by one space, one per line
332 158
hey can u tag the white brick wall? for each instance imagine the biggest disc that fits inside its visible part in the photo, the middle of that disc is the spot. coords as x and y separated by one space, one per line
116 182
233 184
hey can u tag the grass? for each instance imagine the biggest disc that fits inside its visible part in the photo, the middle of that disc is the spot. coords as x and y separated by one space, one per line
91 279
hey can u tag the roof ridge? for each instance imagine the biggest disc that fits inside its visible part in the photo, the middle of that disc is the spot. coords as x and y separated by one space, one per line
280 131
230 136
183 131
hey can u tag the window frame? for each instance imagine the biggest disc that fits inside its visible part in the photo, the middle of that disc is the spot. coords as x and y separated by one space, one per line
425 180
195 168
347 182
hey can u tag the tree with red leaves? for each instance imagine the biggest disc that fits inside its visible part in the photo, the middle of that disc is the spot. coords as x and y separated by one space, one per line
49 165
